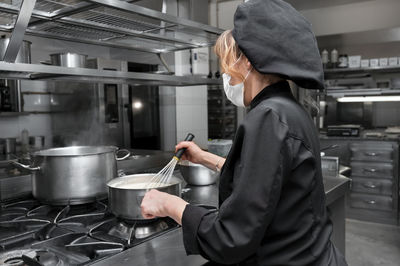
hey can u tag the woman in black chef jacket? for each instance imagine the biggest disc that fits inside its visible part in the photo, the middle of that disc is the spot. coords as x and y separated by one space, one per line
272 202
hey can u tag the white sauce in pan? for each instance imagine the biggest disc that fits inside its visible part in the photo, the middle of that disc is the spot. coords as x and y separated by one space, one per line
137 185
140 182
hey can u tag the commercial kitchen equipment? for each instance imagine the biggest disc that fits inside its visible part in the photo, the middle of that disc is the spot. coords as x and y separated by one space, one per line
9 145
14 187
24 53
37 142
72 175
374 163
36 234
112 23
222 114
126 194
89 234
143 110
162 177
68 60
197 174
344 130
10 90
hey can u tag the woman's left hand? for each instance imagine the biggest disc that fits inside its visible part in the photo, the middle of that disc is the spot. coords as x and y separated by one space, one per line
161 204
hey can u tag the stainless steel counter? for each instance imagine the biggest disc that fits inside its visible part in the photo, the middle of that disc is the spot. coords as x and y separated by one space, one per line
168 249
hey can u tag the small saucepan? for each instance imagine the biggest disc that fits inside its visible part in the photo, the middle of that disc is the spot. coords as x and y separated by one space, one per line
125 194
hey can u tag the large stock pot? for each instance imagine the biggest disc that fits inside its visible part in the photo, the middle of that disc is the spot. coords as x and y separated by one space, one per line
72 175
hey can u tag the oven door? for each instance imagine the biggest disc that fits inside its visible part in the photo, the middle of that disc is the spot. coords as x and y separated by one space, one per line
144 116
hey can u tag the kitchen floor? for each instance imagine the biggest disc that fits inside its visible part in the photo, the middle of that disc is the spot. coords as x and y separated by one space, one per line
371 244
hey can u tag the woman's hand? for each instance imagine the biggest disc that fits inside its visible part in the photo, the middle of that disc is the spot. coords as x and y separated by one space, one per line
161 204
193 152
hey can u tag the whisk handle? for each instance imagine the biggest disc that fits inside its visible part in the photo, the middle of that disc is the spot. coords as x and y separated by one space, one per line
180 152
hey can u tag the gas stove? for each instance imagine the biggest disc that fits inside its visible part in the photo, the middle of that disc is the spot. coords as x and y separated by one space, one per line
35 234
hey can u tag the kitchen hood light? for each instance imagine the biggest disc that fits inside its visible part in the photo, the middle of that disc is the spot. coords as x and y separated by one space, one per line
369 99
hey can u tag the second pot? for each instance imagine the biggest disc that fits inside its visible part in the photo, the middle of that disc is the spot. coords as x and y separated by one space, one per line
125 194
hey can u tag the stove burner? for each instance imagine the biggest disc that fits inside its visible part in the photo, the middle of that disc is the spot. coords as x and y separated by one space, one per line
128 234
146 230
23 257
123 231
42 257
35 234
13 258
77 249
27 222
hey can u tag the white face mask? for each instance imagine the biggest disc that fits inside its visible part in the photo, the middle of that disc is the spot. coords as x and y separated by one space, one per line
235 93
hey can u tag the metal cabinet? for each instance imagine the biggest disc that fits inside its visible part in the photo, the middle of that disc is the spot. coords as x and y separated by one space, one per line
374 191
372 151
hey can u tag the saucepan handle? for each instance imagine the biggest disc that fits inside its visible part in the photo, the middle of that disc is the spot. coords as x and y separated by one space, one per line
27 167
128 153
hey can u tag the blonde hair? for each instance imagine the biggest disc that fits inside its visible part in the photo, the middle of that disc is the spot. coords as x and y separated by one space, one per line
228 52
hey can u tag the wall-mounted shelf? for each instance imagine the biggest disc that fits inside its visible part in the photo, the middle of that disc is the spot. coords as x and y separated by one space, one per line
12 114
343 72
362 92
56 73
113 23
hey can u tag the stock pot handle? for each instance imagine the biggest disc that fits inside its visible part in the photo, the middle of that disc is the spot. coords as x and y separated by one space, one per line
123 157
27 167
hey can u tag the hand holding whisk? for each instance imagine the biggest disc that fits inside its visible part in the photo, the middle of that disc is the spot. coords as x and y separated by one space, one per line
162 177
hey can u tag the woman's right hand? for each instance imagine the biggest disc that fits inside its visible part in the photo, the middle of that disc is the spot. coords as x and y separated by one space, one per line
193 152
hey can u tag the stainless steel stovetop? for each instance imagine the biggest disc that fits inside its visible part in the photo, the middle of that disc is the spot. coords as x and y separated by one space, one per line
35 234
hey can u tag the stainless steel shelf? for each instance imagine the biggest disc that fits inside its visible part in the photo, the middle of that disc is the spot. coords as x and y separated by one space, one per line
362 92
114 23
56 73
11 114
338 72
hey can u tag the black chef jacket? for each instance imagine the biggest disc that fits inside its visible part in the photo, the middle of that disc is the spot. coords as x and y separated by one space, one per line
272 201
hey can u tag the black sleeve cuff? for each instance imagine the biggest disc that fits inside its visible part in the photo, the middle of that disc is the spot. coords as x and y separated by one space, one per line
191 219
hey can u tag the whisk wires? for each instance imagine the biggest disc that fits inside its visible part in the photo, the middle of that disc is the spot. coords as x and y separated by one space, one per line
162 177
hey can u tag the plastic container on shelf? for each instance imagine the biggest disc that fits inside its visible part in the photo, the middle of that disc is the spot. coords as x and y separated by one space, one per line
220 147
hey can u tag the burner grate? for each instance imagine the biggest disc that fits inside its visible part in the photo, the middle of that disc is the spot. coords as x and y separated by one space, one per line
39 234
128 234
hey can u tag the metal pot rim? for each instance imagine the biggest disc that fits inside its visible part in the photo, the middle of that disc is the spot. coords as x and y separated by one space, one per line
66 53
75 151
114 182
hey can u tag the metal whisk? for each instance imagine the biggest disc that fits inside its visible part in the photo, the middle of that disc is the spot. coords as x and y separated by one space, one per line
162 177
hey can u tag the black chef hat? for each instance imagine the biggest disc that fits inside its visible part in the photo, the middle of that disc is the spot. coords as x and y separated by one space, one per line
278 40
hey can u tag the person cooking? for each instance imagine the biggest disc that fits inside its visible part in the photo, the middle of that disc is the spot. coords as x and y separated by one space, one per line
271 196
